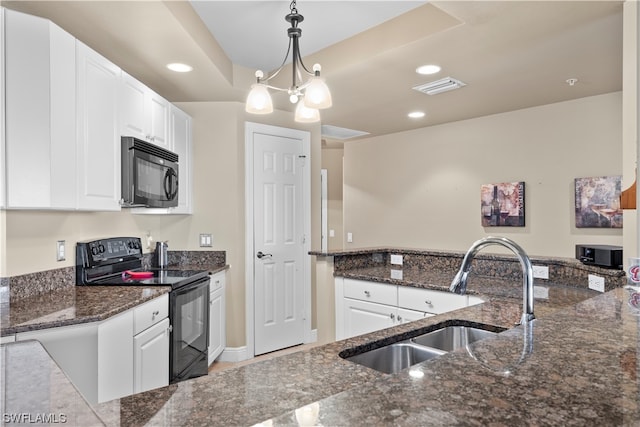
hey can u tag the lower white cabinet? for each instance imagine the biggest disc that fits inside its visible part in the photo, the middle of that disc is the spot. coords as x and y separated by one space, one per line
363 307
217 326
104 360
151 357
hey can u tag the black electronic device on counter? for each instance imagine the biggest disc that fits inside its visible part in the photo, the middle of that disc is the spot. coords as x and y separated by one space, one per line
607 256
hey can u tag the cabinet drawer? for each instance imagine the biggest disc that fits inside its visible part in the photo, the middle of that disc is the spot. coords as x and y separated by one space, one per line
217 282
371 291
429 301
150 313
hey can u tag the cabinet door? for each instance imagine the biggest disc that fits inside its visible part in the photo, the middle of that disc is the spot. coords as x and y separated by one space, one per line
132 107
98 139
159 120
151 357
2 114
115 357
429 301
406 316
217 326
181 135
361 317
40 113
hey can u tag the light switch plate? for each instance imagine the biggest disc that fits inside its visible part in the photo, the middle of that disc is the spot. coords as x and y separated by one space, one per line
60 250
349 237
540 292
596 283
206 240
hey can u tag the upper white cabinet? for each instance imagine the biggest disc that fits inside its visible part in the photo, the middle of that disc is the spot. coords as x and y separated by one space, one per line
63 110
40 113
143 113
98 141
3 186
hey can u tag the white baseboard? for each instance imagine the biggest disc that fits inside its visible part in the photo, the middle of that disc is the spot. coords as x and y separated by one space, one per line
239 354
234 354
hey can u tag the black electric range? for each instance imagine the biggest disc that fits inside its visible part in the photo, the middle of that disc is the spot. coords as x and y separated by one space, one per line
116 261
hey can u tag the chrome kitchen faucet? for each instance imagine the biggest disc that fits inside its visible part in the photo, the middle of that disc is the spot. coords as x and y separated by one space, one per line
459 283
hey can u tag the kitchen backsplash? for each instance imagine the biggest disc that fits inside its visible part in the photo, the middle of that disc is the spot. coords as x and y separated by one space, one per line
26 285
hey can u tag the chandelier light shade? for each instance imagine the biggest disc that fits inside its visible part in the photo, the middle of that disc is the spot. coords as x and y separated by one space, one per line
311 95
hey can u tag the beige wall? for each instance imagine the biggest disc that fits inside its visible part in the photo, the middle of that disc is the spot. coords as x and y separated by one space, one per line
422 188
332 161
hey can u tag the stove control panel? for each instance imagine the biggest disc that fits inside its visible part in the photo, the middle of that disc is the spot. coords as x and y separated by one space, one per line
115 248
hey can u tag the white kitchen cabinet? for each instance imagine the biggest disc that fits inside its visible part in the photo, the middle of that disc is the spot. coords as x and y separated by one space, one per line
217 313
3 186
151 330
40 113
104 360
143 113
115 357
151 357
7 339
363 306
98 143
362 317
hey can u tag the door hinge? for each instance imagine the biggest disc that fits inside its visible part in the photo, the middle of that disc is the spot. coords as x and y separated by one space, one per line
304 238
302 160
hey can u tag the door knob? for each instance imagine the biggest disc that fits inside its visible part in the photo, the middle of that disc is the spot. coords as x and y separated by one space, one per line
261 255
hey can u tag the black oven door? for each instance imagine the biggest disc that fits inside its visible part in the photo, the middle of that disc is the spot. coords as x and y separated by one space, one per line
189 316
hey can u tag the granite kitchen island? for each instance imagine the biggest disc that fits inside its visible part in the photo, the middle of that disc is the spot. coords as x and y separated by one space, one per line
582 370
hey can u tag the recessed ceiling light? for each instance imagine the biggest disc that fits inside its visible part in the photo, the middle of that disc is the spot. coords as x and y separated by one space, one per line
179 68
428 69
416 114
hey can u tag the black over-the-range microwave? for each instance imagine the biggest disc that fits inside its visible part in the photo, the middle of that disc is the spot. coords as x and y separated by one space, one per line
149 175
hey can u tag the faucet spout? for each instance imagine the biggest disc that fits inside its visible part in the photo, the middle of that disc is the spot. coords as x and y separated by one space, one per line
459 283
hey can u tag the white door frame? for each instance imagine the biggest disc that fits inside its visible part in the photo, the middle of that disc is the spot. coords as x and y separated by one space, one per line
251 128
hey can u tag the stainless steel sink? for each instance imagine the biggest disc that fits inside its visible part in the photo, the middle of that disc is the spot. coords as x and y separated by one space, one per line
451 338
395 357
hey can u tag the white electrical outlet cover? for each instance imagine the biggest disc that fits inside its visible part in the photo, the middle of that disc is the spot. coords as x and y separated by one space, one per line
396 259
596 283
396 274
540 272
540 292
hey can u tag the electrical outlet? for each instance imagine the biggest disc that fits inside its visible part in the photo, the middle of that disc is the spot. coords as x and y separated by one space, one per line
60 250
396 274
540 292
540 272
396 259
596 283
206 240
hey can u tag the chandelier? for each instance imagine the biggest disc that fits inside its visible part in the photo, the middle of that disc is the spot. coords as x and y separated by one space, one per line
310 96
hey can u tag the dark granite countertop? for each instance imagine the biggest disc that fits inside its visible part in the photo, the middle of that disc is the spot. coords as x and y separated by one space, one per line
69 305
582 370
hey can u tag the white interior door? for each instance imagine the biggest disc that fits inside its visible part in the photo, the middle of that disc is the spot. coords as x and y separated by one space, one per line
279 239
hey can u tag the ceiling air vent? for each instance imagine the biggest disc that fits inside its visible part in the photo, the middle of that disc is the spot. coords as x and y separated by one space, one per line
440 86
335 132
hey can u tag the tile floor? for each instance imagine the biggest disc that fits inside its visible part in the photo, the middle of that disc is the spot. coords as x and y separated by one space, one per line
218 366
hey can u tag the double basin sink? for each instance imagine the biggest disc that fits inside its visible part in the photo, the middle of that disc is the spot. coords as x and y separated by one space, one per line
400 355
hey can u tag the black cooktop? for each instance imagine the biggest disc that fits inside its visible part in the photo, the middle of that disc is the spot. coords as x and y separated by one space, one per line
161 277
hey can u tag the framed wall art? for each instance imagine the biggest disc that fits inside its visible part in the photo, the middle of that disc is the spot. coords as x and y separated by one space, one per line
598 202
502 205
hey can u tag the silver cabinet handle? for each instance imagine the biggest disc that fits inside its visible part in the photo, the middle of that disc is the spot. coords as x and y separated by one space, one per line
399 318
393 316
154 314
428 302
367 293
261 255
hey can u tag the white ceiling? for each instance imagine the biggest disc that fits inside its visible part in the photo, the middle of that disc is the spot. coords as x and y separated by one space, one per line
511 54
254 33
